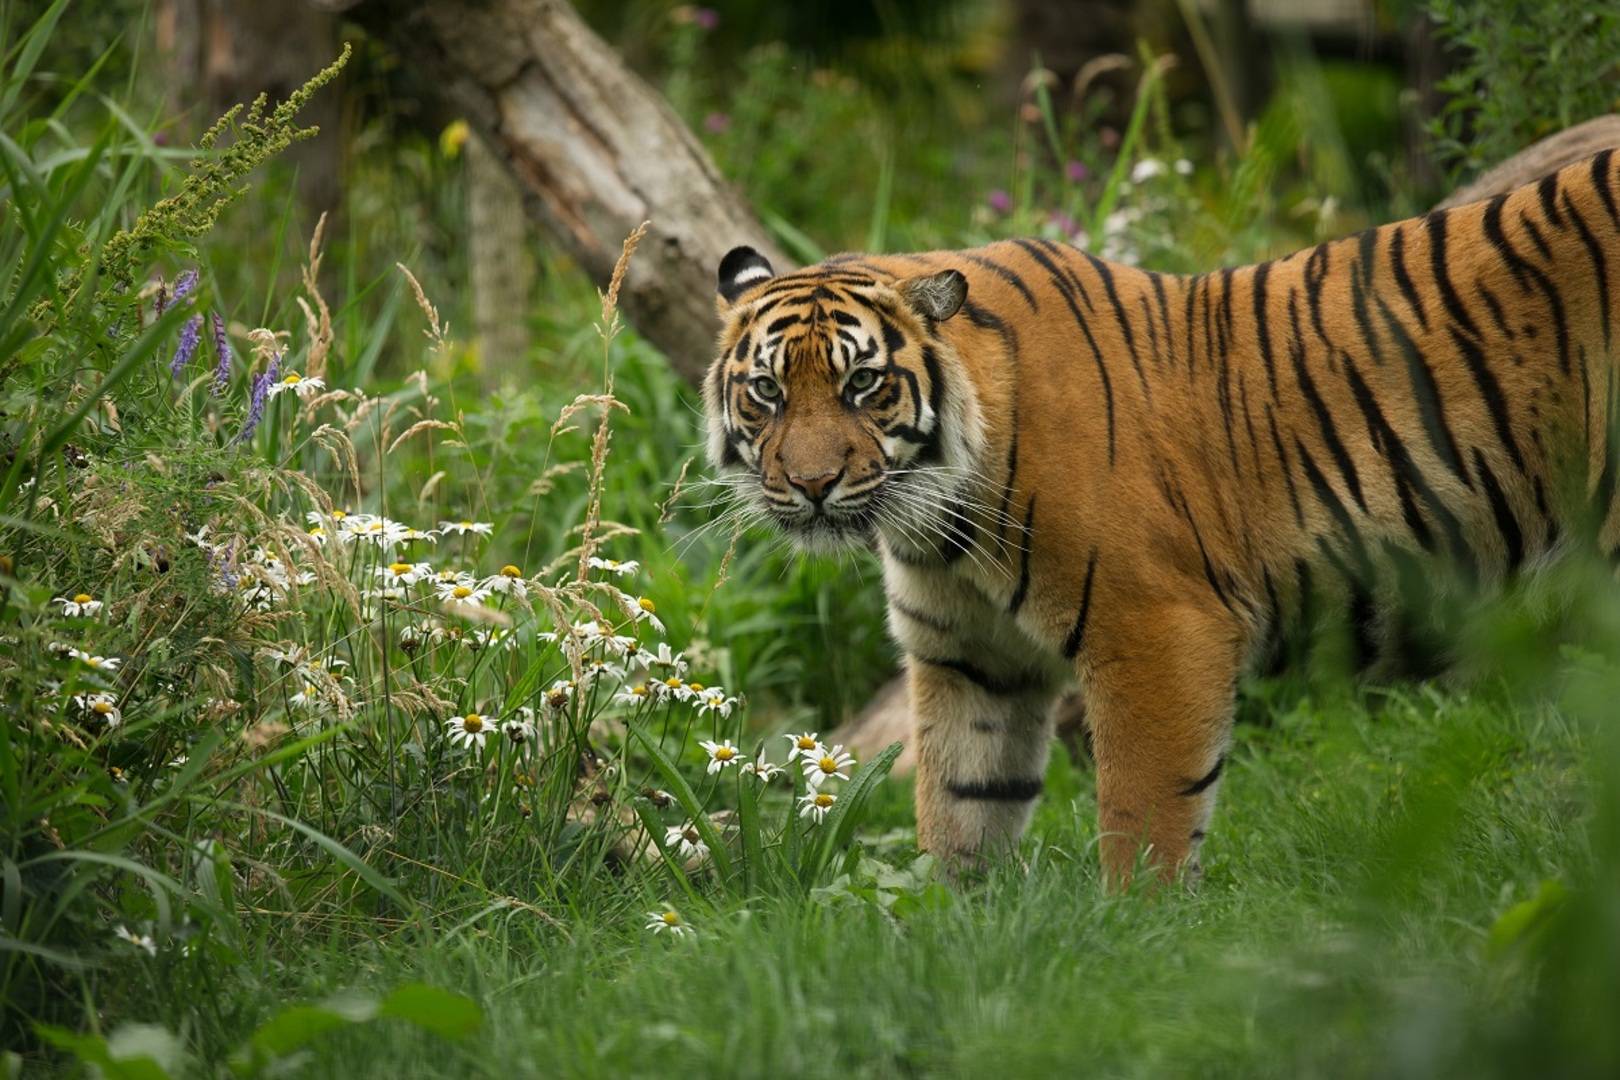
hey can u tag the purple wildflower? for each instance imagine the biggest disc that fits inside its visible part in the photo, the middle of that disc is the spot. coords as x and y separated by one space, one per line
1000 201
1076 171
222 349
705 18
190 334
1064 223
256 399
184 284
717 123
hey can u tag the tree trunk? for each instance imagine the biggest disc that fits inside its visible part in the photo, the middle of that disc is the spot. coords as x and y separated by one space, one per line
595 150
221 52
501 266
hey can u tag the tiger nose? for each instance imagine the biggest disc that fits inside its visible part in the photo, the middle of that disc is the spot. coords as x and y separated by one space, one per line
816 487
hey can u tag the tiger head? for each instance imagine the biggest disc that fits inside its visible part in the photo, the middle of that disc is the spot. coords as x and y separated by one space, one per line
835 407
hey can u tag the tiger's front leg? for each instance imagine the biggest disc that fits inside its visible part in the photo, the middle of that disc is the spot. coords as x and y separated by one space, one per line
980 698
1160 692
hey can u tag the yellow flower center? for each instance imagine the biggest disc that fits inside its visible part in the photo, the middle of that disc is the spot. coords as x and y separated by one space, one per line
339 515
466 524
399 569
317 531
696 687
824 800
646 605
724 753
670 918
472 722
804 742
375 526
511 571
461 592
673 683
828 765
102 708
93 661
639 691
293 379
82 598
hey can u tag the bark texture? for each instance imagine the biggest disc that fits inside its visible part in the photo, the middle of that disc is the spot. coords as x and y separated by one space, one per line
595 150
500 264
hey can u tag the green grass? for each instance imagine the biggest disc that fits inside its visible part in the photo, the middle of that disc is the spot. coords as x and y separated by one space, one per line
1417 881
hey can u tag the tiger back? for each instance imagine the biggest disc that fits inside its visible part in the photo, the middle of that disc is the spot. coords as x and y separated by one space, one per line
1076 469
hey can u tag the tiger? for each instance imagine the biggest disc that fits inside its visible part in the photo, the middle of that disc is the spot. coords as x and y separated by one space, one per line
1079 472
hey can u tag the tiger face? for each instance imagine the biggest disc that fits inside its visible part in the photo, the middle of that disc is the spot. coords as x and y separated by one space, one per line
835 410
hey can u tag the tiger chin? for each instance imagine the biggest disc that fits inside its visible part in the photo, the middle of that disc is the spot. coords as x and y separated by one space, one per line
1077 470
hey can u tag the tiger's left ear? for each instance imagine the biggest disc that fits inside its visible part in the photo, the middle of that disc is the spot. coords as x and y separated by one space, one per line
741 270
936 296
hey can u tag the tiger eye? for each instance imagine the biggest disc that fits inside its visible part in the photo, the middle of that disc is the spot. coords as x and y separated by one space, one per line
863 379
766 387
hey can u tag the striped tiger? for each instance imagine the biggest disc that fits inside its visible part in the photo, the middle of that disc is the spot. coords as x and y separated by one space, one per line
1074 469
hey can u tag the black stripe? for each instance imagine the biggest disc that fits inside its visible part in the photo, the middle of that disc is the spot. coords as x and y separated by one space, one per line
1282 462
1427 393
1315 274
1600 180
1491 391
1012 790
1107 275
990 684
1364 324
1065 291
1077 634
1005 273
1202 784
922 618
1506 523
1164 314
1023 561
1535 235
1397 262
1525 273
1442 273
1600 266
1262 328
1324 419
1335 508
1547 192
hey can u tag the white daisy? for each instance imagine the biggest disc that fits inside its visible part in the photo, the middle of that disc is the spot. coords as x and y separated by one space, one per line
305 388
461 592
830 762
643 610
469 730
667 658
761 769
714 700
687 841
721 754
404 573
140 941
635 696
78 604
520 727
509 581
108 664
614 566
806 745
816 804
557 696
667 921
101 705
461 528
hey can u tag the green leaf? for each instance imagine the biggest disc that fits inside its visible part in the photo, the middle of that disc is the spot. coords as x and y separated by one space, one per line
1524 921
752 841
688 799
445 1013
839 828
297 1026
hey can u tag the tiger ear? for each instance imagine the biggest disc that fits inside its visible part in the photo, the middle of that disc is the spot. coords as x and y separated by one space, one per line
740 270
935 296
